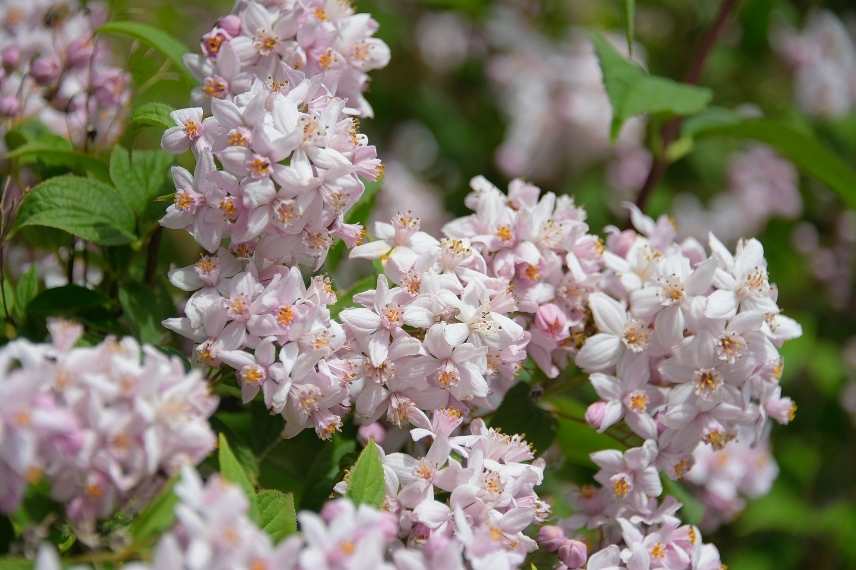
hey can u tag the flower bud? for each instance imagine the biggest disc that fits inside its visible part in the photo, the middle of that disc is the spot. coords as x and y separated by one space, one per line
11 57
80 52
551 537
595 414
9 106
373 431
551 319
573 553
230 24
332 510
45 70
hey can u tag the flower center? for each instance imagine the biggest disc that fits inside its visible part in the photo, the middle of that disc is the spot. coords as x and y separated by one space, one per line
285 316
253 374
504 233
191 129
183 200
206 265
636 336
658 551
259 166
707 381
621 487
639 402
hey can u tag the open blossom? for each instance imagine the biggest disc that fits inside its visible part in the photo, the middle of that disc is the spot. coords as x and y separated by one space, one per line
97 423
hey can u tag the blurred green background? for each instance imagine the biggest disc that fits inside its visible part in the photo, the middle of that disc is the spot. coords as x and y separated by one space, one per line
438 114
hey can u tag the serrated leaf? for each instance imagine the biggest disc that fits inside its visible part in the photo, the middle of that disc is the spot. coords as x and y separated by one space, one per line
83 207
139 177
629 23
158 515
152 115
25 291
796 144
153 37
633 91
232 470
366 485
518 413
278 517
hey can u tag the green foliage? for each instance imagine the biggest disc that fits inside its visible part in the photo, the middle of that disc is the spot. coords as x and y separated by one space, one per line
55 151
153 37
366 484
157 516
345 299
633 91
519 413
16 564
84 207
25 291
232 470
152 114
145 307
796 144
140 177
278 517
630 23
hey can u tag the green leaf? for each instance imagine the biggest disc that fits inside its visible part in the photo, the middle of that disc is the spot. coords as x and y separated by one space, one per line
152 115
233 471
278 517
519 413
139 177
70 300
153 37
84 207
629 23
576 438
146 307
25 291
158 515
57 151
796 144
345 299
16 564
366 485
633 91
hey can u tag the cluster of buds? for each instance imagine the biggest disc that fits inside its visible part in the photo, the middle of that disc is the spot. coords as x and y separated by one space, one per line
279 158
99 423
468 500
723 480
53 69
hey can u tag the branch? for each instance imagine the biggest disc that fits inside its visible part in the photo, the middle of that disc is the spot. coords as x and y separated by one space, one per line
672 129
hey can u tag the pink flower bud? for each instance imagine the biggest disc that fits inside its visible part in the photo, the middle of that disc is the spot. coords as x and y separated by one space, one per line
595 414
333 510
551 537
573 553
11 57
551 319
45 70
420 531
373 431
619 243
230 24
9 106
80 52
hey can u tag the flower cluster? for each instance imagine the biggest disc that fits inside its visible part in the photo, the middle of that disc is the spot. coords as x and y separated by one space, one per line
540 246
636 529
468 495
761 185
823 56
279 159
54 69
685 344
98 422
492 502
724 479
558 112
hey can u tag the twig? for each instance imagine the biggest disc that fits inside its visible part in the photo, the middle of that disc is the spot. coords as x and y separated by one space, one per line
672 129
